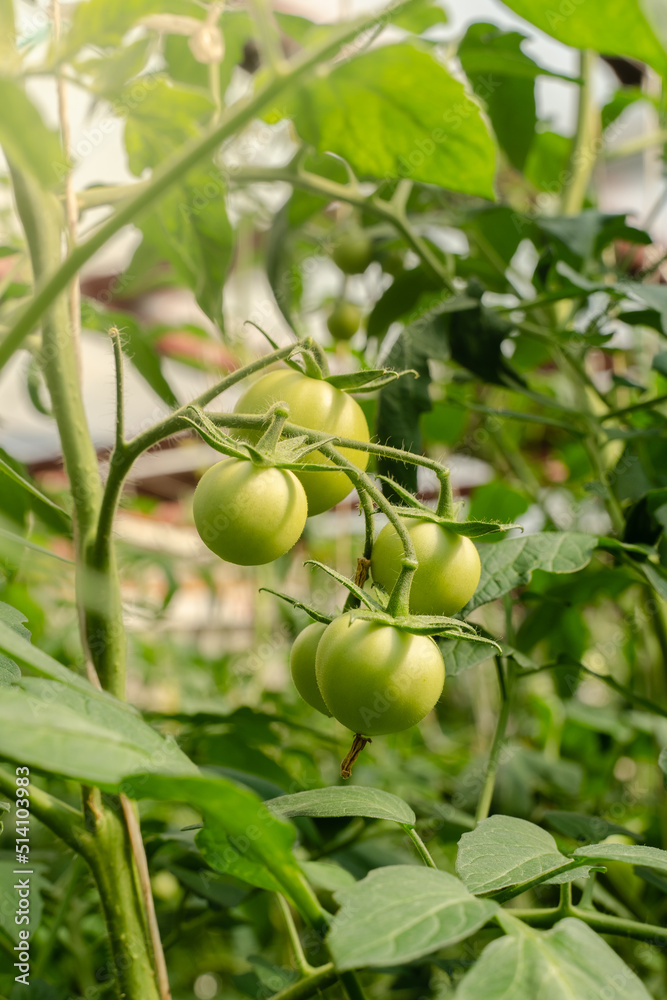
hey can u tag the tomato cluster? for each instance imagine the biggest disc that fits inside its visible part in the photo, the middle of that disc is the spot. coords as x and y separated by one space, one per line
371 671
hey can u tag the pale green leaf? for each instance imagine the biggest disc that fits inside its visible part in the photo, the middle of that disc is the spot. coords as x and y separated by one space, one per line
344 801
568 962
511 562
400 913
396 112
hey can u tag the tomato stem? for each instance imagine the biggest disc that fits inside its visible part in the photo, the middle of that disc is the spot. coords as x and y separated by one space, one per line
271 436
445 506
358 744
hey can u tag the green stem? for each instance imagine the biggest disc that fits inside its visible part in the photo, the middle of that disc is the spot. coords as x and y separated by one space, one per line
584 153
422 849
271 436
484 804
302 963
351 985
314 983
57 816
445 506
647 404
55 280
601 922
114 333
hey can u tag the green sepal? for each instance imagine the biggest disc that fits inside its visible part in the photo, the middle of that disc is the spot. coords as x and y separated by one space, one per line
365 598
367 381
318 616
451 628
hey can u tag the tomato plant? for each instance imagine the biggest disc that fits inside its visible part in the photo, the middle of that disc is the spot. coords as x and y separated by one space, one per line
197 194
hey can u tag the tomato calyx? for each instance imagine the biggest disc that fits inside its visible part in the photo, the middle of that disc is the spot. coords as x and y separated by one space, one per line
367 381
415 508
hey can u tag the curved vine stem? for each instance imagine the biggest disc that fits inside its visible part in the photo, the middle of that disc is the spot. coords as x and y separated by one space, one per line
175 168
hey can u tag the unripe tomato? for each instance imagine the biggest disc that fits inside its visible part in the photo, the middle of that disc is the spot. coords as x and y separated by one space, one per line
302 665
376 679
249 515
448 572
344 320
352 253
315 404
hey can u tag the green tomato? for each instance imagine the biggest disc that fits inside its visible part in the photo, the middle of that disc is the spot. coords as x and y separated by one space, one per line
249 515
448 572
315 404
344 320
302 665
352 253
376 679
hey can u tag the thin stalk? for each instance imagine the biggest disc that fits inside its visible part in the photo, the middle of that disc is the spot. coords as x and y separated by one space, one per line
422 849
172 170
268 35
314 983
584 152
601 922
65 822
302 963
114 333
647 404
134 830
484 803
71 205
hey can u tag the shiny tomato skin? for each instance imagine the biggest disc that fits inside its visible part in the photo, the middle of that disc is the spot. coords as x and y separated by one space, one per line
302 666
449 566
247 514
319 406
376 679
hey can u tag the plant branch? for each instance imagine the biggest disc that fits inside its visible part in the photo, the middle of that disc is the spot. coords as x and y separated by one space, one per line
57 816
317 981
55 280
302 963
484 804
584 153
422 849
601 922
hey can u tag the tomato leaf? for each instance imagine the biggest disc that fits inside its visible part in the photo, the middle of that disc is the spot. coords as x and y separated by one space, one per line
371 111
372 803
571 958
511 562
401 913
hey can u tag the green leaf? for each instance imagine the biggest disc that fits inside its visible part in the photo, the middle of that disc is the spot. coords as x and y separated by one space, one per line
25 139
86 735
504 79
346 801
239 828
371 111
624 27
9 899
401 404
45 508
326 875
461 654
510 563
582 827
568 962
420 17
400 913
104 22
10 672
632 854
503 851
160 116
